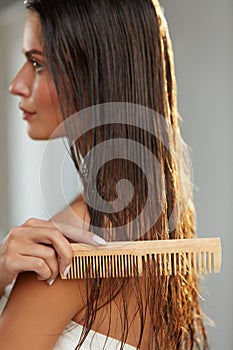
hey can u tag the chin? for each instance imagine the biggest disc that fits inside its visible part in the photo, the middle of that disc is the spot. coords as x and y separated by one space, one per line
36 133
38 136
43 137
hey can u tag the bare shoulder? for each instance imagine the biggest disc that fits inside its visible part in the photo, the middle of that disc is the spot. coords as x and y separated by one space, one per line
72 214
36 313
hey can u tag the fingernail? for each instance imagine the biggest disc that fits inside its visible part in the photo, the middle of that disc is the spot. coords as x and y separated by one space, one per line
67 269
99 240
51 282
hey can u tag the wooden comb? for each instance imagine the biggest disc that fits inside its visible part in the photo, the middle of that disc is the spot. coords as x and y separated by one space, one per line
133 258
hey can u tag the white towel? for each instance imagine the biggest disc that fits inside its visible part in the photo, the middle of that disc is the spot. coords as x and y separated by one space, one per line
94 341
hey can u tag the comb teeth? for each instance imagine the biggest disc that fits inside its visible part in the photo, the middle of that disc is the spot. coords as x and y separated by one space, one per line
182 263
146 258
121 265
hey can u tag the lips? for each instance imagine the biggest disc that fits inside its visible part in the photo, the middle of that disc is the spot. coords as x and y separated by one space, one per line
27 114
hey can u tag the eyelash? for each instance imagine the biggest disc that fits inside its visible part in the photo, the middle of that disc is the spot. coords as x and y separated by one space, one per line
37 66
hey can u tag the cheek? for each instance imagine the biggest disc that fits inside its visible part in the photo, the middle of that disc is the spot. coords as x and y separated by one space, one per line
47 104
48 113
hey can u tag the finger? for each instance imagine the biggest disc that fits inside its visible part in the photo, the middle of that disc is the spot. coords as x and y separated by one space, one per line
80 235
30 263
76 234
46 253
38 223
40 231
71 232
53 236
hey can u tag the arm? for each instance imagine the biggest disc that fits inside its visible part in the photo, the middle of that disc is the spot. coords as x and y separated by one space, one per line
36 314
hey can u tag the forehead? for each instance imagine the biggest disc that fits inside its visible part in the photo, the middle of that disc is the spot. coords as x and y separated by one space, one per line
32 37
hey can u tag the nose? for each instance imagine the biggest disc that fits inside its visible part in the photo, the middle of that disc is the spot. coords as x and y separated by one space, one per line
20 86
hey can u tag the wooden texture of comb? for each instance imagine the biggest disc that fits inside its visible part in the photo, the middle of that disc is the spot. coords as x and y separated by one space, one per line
138 258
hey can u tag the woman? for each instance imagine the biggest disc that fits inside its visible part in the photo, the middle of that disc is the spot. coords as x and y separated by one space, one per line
81 54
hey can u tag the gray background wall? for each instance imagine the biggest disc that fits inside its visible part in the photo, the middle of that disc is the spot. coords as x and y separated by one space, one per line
202 34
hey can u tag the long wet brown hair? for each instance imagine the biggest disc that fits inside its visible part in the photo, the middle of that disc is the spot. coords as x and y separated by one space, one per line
119 51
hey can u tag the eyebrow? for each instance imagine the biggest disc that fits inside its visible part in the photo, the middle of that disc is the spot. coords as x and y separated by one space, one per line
33 52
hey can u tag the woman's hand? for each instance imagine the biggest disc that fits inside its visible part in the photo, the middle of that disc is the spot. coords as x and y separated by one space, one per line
39 246
35 246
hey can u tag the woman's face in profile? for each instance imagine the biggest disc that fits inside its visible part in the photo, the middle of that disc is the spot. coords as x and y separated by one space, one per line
34 85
